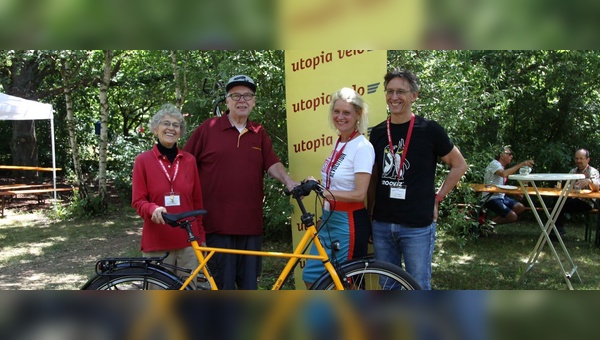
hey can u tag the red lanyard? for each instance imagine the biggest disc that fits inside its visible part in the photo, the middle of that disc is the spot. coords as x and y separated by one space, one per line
408 135
167 173
335 156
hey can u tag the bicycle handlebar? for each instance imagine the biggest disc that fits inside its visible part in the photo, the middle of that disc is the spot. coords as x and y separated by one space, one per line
305 188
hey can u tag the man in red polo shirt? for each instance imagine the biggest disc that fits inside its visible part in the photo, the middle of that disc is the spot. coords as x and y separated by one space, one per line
232 154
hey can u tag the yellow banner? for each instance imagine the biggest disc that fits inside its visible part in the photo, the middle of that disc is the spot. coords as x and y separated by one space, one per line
310 79
374 24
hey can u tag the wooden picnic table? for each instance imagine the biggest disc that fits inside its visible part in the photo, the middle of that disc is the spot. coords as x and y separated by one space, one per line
22 186
27 168
586 193
10 190
5 191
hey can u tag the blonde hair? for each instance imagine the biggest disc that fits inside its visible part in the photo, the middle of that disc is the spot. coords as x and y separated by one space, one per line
360 105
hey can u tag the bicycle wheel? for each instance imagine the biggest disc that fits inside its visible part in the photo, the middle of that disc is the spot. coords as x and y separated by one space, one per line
368 274
134 278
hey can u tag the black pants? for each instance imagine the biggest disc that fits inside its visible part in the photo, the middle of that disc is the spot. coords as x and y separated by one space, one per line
232 271
572 205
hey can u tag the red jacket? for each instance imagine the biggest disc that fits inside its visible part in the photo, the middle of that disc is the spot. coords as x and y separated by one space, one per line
151 185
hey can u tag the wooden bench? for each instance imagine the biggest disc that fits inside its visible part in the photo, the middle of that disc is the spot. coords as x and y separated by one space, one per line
4 200
38 192
23 186
6 196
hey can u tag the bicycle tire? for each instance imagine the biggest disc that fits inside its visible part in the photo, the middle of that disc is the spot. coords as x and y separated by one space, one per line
369 274
134 278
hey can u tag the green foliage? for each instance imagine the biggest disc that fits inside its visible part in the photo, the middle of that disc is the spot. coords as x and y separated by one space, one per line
123 151
277 211
90 206
543 103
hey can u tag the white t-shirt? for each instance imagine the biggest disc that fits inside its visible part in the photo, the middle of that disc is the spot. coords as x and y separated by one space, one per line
358 156
490 178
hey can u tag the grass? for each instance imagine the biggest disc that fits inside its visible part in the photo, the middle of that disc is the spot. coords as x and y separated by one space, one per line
497 262
38 253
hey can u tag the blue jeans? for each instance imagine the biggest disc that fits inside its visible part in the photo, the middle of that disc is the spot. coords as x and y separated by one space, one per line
395 243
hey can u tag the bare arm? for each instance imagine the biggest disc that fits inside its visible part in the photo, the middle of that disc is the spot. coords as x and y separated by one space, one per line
361 186
458 166
513 169
593 181
278 172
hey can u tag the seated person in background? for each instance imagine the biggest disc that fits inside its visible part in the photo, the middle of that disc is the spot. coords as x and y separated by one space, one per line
505 208
591 181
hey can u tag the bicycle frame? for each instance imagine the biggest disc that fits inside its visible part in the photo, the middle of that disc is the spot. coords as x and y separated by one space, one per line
204 254
309 235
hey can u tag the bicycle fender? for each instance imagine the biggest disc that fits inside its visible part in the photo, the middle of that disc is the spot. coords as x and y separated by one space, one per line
134 264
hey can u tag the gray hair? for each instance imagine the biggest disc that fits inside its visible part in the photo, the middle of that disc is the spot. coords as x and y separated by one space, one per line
168 110
350 96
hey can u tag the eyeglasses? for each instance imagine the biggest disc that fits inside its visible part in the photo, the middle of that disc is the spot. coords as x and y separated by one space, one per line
168 124
509 154
237 96
398 93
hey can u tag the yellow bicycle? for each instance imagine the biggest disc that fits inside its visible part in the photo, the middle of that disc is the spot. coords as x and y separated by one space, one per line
144 273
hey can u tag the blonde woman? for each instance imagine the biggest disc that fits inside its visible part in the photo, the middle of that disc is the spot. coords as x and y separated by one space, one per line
346 174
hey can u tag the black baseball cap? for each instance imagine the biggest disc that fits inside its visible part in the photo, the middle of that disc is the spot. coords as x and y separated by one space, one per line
240 80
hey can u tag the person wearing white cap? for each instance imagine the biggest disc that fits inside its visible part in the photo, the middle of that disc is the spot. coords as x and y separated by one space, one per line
232 154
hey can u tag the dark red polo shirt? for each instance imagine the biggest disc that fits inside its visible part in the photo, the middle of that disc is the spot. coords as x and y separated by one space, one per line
232 166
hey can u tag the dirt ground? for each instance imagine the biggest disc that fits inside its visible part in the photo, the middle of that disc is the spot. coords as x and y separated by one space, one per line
67 269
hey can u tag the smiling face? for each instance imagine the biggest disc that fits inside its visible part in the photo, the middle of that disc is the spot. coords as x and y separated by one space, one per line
399 97
242 108
168 131
344 117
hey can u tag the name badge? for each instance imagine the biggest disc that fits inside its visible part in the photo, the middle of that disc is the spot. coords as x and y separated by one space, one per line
398 193
172 200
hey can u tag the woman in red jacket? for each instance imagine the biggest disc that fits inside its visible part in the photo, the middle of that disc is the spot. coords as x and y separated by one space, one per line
165 179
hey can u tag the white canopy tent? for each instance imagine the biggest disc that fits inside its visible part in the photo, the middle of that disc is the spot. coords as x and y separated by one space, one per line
15 108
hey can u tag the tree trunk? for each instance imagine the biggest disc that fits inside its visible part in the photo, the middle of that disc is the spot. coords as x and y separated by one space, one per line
108 57
178 98
23 146
80 180
26 74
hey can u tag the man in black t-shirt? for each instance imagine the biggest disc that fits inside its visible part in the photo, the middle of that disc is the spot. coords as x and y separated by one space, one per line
402 198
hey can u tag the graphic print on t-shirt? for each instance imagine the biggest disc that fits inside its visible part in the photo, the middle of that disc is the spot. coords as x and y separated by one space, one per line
334 167
391 162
